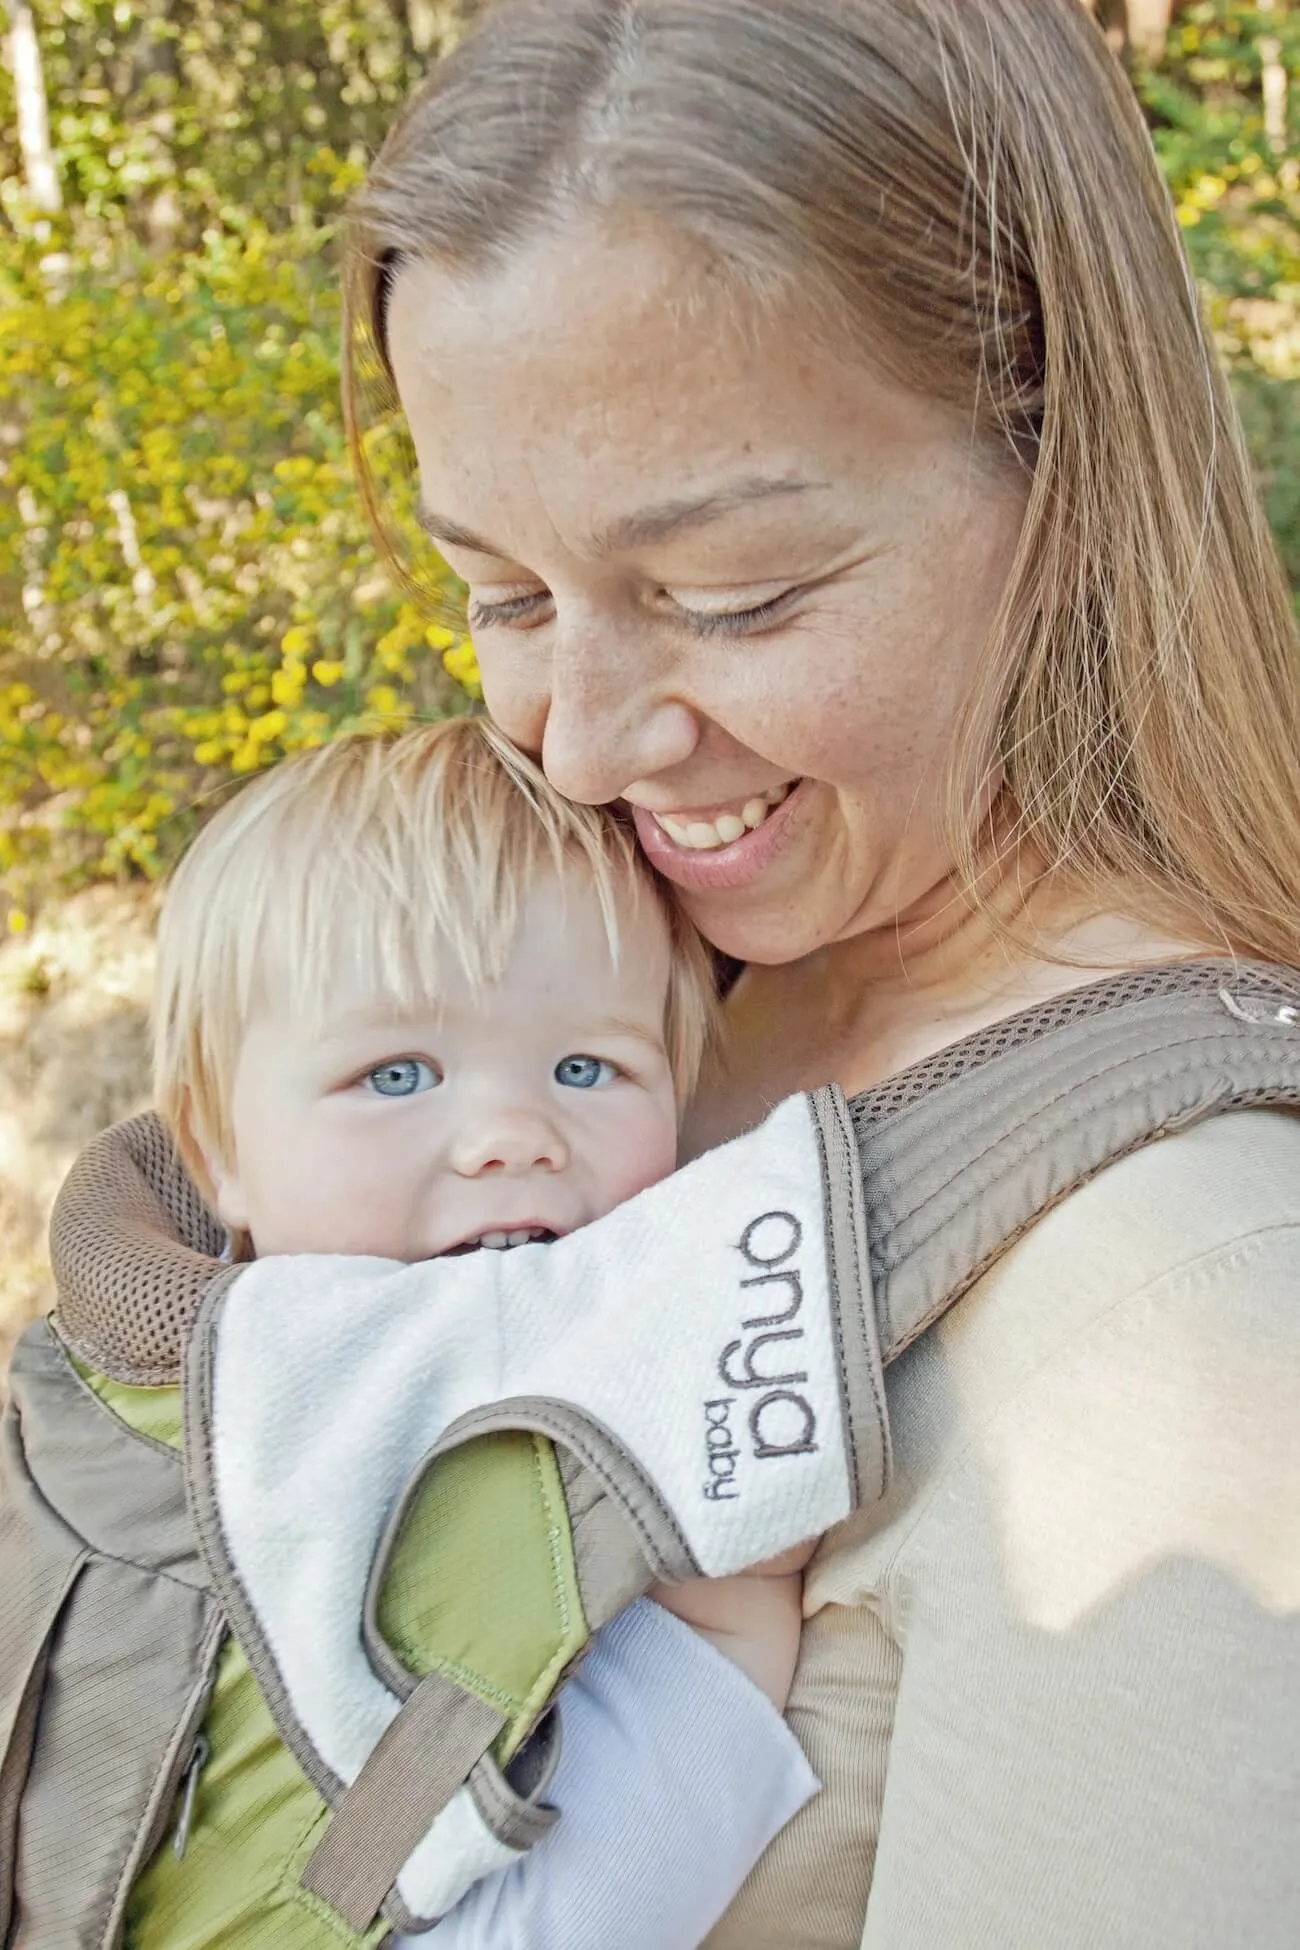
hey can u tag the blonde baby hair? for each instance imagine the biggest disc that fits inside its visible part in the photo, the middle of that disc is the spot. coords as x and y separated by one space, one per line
391 853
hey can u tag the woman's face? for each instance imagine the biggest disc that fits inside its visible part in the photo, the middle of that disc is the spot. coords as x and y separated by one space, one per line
718 572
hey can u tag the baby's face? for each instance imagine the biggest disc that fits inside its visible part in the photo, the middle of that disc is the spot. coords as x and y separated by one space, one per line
529 1108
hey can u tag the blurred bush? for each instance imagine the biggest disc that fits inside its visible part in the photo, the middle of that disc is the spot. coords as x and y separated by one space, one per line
187 586
190 588
1222 100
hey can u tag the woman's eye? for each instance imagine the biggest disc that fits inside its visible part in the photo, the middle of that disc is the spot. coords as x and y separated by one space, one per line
737 622
406 1076
583 1072
512 609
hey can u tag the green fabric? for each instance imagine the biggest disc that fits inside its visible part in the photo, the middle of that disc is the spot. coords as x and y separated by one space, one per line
152 1412
255 1821
488 1617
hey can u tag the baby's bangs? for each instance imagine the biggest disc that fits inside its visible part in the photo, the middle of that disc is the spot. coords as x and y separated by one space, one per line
412 861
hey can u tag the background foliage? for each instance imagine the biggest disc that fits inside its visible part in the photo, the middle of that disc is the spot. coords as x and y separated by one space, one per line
187 587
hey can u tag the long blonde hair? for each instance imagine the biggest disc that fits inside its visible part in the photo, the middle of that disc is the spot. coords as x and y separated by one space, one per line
967 187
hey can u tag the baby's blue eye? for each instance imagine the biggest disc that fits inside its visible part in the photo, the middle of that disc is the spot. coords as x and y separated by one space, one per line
405 1076
583 1072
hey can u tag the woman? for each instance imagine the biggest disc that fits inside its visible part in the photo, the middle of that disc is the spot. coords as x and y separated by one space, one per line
812 395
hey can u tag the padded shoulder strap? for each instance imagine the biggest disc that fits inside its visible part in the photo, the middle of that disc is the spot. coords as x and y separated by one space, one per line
963 1154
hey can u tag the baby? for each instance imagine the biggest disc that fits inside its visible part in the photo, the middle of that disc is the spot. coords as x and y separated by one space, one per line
410 1004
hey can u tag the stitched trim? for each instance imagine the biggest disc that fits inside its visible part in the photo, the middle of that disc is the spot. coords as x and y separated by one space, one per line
850 1285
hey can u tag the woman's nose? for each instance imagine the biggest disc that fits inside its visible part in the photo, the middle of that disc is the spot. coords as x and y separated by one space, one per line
605 716
510 1140
594 755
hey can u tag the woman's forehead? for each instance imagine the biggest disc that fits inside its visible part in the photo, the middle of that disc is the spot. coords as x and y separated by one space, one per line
588 377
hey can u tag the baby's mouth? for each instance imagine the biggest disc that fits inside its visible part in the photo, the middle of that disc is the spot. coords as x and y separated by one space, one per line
696 834
499 1240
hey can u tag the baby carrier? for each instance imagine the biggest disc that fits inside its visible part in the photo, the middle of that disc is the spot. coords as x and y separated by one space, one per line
259 1677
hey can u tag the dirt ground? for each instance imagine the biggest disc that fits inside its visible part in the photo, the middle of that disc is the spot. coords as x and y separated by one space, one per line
74 999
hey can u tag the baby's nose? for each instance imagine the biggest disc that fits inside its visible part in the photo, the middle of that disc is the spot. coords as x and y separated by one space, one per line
514 1140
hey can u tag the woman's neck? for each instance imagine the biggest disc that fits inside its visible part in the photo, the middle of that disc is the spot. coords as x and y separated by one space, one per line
866 1008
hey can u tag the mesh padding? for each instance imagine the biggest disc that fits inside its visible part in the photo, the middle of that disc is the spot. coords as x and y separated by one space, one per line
134 1248
1246 980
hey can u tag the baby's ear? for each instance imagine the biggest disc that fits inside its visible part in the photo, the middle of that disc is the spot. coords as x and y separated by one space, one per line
215 1175
225 1193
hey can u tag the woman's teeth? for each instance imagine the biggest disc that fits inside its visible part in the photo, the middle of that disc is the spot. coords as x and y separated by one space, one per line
706 835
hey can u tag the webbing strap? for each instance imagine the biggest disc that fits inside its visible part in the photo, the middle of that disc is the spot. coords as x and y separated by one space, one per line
425 1755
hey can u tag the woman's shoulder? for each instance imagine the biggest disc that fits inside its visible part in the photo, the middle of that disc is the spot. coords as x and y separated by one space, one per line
1124 1383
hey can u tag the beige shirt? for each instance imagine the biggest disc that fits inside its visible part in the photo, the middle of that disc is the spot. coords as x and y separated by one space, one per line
1052 1685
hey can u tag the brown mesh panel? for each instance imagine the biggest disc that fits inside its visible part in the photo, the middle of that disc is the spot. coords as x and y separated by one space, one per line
134 1248
1242 979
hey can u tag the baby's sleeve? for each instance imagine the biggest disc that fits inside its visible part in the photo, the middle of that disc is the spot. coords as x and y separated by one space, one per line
674 1775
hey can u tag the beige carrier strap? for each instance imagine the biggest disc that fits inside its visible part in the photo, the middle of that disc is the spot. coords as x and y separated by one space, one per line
435 1741
103 1594
45 1560
961 1154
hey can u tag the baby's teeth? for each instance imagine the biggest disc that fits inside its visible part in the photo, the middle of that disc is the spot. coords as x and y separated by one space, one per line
754 812
496 1241
520 1238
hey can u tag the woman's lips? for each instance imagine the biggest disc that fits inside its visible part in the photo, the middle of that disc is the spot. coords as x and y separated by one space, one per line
738 865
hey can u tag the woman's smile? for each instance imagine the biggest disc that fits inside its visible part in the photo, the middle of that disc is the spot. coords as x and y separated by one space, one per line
730 845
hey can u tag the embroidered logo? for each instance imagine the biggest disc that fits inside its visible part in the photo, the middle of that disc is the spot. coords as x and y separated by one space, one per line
782 1420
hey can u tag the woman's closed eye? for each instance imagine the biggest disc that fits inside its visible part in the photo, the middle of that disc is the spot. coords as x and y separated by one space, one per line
720 621
524 611
402 1076
703 619
584 1072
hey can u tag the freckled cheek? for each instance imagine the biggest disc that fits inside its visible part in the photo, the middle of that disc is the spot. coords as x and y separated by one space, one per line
516 693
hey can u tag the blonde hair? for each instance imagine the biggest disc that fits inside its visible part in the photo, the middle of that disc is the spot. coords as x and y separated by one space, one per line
968 190
394 857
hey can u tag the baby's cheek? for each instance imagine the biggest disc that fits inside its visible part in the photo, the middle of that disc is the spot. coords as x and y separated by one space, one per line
643 1152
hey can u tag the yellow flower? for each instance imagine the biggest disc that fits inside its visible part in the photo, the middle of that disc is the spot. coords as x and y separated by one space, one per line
461 664
295 642
287 686
18 921
327 671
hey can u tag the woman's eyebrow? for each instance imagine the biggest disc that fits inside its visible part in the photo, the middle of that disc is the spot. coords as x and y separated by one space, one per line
651 524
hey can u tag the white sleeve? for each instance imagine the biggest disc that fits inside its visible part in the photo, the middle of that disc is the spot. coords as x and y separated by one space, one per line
674 1775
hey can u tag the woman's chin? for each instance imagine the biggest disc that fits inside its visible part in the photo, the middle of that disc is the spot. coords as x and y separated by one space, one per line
769 935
